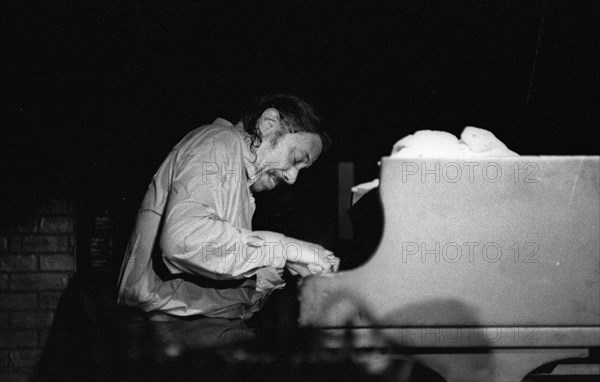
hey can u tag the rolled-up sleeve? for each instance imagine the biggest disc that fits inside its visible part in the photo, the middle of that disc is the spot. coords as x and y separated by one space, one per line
197 237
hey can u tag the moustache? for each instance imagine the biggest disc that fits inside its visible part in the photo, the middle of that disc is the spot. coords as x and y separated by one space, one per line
276 176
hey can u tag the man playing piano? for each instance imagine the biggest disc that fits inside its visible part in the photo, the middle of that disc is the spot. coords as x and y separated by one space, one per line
193 263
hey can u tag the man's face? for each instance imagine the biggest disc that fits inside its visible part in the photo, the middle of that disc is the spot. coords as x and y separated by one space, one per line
280 158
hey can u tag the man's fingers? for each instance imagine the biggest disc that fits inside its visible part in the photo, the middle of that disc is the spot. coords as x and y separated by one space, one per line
332 260
298 269
298 251
315 268
336 265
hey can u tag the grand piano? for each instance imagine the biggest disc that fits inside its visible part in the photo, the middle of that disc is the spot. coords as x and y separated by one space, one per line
486 270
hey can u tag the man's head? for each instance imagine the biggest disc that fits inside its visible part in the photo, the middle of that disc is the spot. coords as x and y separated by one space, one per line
286 136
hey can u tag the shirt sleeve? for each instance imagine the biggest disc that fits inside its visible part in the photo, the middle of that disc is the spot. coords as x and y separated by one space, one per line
196 237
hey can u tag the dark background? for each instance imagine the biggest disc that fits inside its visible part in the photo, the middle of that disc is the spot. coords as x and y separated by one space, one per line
94 94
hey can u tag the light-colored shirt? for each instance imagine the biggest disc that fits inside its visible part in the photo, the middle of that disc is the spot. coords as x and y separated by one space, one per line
192 250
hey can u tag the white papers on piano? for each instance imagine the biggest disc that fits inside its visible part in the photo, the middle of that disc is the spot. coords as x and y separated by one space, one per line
474 142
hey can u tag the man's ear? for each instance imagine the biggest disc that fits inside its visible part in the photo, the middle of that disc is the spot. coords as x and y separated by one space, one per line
269 122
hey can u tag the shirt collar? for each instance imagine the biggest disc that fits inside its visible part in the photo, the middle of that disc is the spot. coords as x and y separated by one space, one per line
249 156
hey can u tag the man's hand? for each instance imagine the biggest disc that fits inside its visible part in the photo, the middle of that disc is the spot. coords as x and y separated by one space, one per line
301 257
304 270
307 258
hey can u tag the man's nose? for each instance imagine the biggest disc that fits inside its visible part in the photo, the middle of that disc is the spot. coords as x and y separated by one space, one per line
290 175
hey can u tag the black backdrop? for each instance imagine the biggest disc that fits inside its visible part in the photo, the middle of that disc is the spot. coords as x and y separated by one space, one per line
94 94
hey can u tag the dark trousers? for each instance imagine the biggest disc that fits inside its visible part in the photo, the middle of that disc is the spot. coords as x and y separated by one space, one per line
172 335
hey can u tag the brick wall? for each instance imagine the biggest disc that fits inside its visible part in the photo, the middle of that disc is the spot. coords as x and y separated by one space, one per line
37 260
